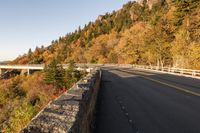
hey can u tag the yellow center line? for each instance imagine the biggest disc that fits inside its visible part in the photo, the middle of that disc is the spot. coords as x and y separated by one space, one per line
172 86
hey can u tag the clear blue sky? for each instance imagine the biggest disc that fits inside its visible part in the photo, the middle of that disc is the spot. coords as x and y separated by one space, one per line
26 24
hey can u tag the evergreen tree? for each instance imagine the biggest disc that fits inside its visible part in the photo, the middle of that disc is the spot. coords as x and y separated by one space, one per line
60 77
29 53
183 9
55 74
71 74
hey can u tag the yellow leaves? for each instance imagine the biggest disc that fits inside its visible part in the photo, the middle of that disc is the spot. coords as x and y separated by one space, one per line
180 49
99 50
194 56
112 57
77 53
31 82
132 43
47 56
117 39
195 51
21 117
17 111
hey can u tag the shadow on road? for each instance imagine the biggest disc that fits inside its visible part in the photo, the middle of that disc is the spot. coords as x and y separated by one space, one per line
128 103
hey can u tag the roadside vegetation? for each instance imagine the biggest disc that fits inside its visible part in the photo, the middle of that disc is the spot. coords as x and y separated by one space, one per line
22 97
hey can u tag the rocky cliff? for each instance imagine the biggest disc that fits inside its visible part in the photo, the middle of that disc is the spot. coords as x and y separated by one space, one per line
150 3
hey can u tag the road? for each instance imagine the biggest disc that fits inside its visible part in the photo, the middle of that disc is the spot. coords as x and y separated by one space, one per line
137 101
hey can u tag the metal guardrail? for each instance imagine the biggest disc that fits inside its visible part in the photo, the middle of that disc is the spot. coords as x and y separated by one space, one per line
181 71
171 70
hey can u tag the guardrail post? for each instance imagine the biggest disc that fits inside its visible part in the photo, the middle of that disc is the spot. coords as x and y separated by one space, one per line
181 72
157 68
193 73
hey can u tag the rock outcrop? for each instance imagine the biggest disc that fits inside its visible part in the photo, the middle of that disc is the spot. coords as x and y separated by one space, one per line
150 3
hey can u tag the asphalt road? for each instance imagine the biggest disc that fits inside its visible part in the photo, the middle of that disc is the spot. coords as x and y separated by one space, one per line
133 101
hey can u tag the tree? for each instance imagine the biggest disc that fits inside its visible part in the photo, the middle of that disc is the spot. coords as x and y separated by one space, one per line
15 90
29 55
183 9
71 74
194 56
180 49
158 43
130 47
55 74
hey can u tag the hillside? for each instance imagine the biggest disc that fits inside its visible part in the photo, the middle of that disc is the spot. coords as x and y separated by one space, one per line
150 32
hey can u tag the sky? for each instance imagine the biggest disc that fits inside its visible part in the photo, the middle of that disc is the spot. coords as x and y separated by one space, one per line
26 24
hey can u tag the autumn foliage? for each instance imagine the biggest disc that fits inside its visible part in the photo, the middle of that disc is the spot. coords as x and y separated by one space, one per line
22 97
166 33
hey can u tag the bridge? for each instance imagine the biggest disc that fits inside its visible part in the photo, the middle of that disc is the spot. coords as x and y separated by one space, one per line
131 99
39 67
171 70
21 67
25 67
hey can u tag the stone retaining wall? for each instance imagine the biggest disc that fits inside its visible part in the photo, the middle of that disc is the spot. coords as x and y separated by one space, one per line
72 112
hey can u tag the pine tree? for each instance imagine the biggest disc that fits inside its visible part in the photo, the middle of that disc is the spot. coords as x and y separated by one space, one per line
60 77
55 74
29 53
183 9
71 74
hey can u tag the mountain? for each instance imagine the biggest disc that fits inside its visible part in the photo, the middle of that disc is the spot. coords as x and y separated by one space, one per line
148 32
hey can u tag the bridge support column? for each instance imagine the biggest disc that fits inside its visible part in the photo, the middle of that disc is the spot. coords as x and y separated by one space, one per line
0 72
25 72
28 71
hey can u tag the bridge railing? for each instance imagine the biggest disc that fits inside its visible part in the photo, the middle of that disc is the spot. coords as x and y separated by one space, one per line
174 70
37 66
171 70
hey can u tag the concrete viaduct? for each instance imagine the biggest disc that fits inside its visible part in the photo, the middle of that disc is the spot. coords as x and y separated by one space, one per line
20 67
29 67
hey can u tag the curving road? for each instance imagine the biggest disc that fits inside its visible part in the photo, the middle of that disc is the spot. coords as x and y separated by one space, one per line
139 101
